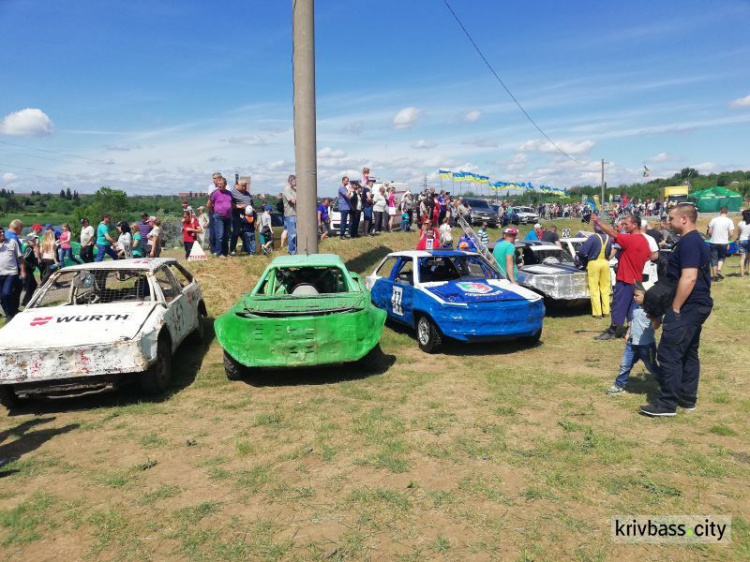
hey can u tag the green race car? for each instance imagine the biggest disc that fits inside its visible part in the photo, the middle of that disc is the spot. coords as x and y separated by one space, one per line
305 311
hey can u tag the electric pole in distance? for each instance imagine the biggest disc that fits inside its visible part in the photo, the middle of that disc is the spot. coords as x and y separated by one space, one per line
305 145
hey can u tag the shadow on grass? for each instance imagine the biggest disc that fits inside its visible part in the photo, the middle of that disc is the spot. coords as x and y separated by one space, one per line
561 309
464 349
186 364
27 441
373 364
364 263
644 383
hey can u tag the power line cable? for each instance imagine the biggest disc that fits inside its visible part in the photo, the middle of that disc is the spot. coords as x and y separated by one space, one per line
497 76
90 161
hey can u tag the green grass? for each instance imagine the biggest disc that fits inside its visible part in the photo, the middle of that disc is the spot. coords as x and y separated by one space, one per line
488 451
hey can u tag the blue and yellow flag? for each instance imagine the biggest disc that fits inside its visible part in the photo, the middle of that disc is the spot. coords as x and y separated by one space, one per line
445 174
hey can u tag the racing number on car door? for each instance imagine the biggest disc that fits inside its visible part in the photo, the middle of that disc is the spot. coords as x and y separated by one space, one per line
397 300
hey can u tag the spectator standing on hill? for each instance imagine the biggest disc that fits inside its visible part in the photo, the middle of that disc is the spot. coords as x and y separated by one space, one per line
679 365
344 204
155 238
66 249
125 241
356 210
221 219
241 199
720 229
367 208
280 210
535 233
482 234
391 198
324 221
505 254
634 254
137 241
204 223
290 213
31 260
190 230
379 205
743 242
88 237
144 227
12 273
595 253
266 230
104 241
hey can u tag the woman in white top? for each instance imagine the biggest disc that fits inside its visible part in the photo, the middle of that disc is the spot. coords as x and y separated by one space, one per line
743 241
154 237
379 204
50 260
446 236
125 241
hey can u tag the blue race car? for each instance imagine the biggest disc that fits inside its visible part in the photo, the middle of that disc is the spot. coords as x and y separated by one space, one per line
454 294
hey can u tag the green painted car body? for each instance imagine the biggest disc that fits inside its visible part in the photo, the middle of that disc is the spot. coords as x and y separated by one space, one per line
304 311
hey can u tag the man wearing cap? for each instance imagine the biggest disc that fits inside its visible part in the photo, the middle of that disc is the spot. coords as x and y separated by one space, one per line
12 269
505 254
595 252
289 198
87 241
535 233
634 253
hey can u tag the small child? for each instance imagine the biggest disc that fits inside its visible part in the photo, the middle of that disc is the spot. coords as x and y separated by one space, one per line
266 231
446 237
640 344
405 227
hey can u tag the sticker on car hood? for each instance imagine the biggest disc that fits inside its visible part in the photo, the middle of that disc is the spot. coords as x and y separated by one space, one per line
475 291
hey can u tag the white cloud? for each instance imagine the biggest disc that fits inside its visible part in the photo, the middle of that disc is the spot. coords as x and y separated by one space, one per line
472 116
328 152
27 122
253 140
120 147
406 118
9 177
547 147
423 144
661 157
741 102
481 143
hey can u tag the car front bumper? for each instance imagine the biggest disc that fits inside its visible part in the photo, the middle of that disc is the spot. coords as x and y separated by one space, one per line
491 321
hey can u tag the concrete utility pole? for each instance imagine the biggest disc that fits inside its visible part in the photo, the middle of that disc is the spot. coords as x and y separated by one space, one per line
305 145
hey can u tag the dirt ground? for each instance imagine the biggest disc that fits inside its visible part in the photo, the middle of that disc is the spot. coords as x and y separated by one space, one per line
482 452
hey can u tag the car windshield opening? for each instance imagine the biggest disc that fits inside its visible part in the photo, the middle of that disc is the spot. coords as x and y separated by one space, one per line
304 281
82 287
454 268
545 256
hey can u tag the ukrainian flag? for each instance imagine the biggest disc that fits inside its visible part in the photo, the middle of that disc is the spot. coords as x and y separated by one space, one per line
445 174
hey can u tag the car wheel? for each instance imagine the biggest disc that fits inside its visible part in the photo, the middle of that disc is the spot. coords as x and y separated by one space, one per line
159 375
532 340
428 335
8 397
199 334
233 369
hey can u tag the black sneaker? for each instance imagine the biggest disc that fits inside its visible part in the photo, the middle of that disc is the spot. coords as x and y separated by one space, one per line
720 275
687 407
608 334
657 410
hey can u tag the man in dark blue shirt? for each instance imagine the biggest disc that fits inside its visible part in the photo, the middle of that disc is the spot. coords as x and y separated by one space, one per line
679 366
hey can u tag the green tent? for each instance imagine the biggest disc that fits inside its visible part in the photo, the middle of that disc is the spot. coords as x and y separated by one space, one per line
714 198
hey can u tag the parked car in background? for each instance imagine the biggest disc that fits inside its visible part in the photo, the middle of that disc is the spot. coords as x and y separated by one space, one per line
454 294
94 326
481 211
525 215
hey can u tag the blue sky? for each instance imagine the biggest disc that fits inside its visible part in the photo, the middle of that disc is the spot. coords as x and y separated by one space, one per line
153 96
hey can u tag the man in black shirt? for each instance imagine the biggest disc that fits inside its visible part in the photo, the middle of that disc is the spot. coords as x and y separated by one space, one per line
679 365
551 236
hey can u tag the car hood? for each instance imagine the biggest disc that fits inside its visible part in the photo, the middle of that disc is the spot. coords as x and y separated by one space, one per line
479 290
552 269
70 326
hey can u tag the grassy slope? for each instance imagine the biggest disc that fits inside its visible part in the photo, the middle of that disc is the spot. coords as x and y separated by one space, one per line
483 452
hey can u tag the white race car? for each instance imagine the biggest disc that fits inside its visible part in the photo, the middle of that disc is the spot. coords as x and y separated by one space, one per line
92 326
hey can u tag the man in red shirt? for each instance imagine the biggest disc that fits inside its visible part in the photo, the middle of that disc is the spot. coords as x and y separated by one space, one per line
634 253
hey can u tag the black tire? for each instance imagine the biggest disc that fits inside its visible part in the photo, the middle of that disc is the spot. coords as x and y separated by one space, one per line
533 340
428 336
8 397
198 336
233 369
158 377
